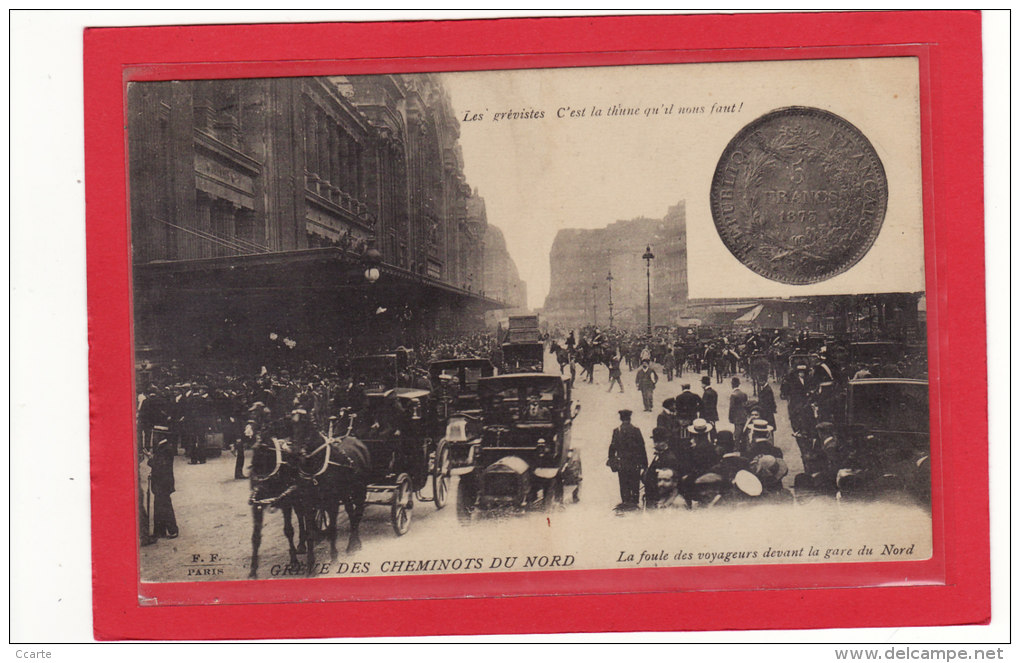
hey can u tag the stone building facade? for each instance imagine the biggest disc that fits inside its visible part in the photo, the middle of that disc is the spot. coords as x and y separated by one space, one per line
286 182
502 280
581 262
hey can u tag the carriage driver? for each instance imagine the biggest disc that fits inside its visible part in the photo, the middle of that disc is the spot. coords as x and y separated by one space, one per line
303 434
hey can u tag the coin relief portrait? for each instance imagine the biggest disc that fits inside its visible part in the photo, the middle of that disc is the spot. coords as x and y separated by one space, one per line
799 195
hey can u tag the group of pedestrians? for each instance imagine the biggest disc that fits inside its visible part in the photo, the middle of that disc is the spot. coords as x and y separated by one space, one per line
689 445
194 410
692 465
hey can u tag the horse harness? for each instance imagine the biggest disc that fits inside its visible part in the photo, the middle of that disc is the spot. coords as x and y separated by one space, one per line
343 461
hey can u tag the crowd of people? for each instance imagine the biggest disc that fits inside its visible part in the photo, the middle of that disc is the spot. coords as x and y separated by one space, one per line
699 443
695 459
723 352
192 409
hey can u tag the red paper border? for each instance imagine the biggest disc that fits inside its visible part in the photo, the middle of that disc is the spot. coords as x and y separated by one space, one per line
947 45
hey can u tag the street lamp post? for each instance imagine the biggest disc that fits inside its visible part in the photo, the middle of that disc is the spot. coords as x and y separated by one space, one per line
595 304
610 279
371 261
648 257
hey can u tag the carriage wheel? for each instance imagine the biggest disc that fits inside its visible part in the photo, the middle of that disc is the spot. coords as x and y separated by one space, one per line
400 511
441 476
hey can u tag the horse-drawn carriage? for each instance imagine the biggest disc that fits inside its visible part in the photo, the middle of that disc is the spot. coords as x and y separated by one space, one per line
524 457
803 359
407 457
382 371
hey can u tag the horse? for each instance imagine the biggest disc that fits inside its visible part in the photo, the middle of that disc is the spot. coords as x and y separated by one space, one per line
562 355
274 479
336 471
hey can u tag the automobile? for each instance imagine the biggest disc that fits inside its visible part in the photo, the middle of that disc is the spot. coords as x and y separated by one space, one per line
455 386
455 381
523 357
524 458
892 409
887 440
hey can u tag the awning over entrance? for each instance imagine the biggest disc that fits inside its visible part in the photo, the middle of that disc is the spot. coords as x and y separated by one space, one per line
234 306
750 316
301 273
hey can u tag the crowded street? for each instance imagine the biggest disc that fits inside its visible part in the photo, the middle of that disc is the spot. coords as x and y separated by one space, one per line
215 519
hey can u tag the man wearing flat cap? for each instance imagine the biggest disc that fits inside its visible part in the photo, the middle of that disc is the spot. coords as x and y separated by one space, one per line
628 458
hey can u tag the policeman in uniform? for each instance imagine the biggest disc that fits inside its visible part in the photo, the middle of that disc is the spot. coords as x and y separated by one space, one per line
628 458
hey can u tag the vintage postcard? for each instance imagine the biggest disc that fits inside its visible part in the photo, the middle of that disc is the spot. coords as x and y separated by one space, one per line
591 318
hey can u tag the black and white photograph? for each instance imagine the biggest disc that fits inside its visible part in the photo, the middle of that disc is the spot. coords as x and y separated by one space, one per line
530 320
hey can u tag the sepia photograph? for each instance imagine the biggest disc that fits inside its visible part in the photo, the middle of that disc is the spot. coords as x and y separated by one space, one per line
589 318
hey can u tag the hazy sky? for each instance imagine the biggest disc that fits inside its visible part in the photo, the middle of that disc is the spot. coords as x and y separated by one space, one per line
539 175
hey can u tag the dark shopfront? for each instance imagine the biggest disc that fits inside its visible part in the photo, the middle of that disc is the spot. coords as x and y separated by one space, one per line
240 312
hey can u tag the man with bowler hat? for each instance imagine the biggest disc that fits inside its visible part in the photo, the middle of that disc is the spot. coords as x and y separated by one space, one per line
688 408
738 407
628 458
663 458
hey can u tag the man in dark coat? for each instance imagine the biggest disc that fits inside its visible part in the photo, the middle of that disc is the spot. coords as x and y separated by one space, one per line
738 407
800 389
614 372
668 363
688 408
667 419
709 402
663 458
152 411
767 404
704 454
162 481
829 384
645 379
628 458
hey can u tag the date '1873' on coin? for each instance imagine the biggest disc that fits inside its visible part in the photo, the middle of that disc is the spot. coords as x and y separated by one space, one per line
799 195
